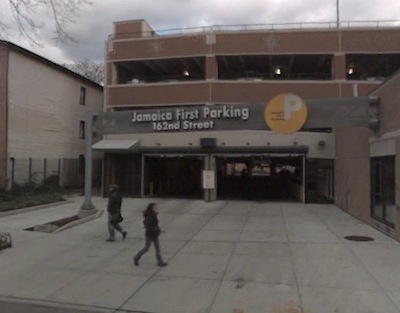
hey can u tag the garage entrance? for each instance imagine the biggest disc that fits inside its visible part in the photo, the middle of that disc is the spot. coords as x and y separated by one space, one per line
177 176
255 177
267 167
274 177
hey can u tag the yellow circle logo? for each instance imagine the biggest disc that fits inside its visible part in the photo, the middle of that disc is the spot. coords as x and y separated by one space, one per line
285 113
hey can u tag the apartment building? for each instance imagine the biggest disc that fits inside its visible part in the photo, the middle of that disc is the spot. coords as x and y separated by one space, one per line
43 108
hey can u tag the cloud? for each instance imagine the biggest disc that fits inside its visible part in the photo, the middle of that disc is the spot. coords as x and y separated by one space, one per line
359 10
94 23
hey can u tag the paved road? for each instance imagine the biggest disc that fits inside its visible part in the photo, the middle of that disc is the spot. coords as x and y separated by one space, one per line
14 307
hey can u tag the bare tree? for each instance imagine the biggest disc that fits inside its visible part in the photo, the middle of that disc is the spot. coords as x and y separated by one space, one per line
28 15
89 69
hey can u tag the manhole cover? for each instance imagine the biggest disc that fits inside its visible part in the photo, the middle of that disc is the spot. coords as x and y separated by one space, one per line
359 238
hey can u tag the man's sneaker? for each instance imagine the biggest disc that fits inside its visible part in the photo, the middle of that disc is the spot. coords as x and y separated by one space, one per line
136 261
110 239
124 233
162 264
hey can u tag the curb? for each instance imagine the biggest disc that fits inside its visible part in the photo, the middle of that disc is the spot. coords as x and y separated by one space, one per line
57 305
86 219
33 208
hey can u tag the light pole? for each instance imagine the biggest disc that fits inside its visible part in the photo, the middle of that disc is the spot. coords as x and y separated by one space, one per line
87 207
337 14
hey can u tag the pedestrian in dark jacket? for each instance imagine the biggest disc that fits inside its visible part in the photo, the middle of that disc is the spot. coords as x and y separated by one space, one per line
152 234
114 213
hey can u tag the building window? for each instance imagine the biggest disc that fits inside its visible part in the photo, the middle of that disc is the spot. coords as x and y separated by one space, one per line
81 129
82 98
383 207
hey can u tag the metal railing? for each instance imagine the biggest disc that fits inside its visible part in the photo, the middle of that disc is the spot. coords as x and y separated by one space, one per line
261 27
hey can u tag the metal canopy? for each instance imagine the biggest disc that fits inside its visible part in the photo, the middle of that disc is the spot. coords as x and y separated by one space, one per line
115 145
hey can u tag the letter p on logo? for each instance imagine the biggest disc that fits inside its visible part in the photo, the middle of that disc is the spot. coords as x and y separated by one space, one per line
292 103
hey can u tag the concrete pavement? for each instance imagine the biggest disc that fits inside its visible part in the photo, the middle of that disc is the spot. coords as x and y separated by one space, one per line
19 306
224 256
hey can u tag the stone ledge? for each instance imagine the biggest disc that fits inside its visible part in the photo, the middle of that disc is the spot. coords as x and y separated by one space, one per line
64 223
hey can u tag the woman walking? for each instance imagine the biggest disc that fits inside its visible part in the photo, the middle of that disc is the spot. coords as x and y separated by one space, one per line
152 234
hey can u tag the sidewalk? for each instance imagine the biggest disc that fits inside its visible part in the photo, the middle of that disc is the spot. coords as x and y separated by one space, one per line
224 257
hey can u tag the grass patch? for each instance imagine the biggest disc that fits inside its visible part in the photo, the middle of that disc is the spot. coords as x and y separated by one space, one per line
11 201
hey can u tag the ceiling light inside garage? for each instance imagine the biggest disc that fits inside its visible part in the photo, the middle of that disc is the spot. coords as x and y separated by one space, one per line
350 70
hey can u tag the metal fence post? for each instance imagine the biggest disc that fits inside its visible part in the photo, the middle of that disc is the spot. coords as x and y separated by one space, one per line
30 171
60 182
44 169
12 159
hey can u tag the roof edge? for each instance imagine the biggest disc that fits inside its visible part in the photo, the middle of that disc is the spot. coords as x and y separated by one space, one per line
59 67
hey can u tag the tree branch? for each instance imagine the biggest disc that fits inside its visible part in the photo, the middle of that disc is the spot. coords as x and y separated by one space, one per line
62 12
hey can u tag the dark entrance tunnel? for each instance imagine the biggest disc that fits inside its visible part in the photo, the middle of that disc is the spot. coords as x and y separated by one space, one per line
237 177
251 177
260 178
173 176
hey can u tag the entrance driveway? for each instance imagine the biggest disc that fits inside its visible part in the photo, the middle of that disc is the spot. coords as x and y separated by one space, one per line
224 256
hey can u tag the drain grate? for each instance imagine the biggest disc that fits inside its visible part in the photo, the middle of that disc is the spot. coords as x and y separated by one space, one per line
359 238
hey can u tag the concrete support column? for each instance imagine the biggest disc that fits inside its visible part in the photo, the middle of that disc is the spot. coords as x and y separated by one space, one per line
303 194
142 169
210 164
339 67
397 189
211 67
211 75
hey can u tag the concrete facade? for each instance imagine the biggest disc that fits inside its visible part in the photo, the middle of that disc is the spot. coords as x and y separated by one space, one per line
137 45
150 69
357 147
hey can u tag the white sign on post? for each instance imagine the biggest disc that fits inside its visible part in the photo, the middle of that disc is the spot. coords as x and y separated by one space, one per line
208 179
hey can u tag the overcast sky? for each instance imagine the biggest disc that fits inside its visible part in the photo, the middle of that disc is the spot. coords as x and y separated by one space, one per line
95 22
